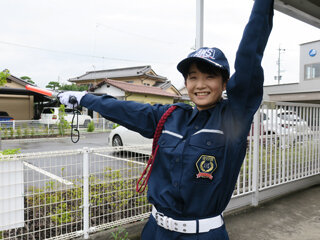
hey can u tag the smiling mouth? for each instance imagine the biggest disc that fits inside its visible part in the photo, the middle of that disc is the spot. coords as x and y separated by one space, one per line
202 93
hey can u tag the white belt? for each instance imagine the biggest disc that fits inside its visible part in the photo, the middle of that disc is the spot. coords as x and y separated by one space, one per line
188 226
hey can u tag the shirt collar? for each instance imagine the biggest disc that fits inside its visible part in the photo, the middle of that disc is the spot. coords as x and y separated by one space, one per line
195 112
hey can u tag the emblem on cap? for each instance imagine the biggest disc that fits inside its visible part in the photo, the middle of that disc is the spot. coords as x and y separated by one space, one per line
206 165
204 53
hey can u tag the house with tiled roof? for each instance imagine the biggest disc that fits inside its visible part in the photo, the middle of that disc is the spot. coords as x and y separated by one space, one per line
142 75
134 92
138 75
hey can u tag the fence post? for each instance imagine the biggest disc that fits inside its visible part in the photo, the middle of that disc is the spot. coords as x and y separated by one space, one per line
255 171
85 206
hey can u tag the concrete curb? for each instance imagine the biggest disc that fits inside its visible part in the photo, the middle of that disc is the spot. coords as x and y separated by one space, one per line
134 231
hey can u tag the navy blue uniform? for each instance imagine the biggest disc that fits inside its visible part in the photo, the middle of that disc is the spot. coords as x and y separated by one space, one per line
196 142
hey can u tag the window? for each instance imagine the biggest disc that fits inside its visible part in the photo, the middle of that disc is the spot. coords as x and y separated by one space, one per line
312 71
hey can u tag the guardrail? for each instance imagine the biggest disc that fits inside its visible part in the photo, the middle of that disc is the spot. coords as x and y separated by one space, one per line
65 194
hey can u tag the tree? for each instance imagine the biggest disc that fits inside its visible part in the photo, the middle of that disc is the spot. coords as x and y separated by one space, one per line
73 87
53 85
27 79
3 77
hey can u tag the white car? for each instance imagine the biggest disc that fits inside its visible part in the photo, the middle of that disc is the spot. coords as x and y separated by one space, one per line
121 136
50 115
283 122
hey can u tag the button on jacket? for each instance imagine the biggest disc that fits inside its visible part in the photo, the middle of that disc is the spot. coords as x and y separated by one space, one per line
189 136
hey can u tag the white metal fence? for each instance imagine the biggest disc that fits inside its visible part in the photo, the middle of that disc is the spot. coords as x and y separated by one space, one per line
64 194
35 128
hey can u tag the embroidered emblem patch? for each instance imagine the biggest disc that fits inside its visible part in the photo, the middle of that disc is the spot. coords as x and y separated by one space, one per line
206 165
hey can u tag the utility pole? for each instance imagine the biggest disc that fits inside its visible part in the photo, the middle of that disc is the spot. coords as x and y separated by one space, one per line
199 24
278 77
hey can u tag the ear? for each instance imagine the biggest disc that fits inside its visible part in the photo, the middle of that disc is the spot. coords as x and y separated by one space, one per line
224 86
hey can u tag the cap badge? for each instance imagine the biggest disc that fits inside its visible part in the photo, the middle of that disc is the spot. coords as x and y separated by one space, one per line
205 53
206 165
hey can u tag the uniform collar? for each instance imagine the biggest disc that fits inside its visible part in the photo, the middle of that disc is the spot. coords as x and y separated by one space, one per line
195 112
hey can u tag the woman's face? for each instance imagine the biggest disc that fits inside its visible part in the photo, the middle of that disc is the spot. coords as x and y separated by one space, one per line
204 89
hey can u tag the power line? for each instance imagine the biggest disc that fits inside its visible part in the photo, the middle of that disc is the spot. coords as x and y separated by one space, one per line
76 54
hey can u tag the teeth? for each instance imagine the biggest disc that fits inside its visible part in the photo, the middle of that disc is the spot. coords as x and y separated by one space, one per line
202 94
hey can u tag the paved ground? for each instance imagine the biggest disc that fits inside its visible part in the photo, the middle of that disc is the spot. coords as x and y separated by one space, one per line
292 217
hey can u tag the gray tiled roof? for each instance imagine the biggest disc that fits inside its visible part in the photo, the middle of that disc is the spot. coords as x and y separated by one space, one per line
119 73
19 80
134 88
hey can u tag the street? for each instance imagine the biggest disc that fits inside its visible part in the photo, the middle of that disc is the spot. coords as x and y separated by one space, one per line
91 140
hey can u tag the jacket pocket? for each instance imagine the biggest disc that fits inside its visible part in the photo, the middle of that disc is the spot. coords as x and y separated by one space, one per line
207 140
168 141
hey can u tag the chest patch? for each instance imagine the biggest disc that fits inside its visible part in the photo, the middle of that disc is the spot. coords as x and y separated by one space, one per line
206 165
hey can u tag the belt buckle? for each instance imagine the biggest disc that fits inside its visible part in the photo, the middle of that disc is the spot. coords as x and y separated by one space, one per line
164 221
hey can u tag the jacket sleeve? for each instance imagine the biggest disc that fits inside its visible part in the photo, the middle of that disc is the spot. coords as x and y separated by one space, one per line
245 87
141 118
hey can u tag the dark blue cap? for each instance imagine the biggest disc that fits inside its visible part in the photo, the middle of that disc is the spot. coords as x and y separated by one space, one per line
213 56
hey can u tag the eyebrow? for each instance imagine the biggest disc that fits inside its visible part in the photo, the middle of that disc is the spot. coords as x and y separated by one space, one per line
191 72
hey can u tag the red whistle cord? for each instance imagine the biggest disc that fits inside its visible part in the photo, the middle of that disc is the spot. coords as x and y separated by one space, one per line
143 180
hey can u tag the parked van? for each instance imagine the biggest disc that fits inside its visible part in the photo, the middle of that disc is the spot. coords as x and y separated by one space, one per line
50 115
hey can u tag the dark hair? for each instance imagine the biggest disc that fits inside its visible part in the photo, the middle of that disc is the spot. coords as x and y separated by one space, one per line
208 68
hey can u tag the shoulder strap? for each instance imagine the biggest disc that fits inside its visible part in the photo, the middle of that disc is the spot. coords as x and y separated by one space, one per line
143 180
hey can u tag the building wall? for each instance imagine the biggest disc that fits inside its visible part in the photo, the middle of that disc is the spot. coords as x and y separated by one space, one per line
303 91
20 107
306 58
111 90
11 84
152 99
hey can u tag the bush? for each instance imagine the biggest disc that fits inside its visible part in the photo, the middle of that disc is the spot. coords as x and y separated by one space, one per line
5 133
90 127
10 151
115 125
11 132
63 124
19 133
26 132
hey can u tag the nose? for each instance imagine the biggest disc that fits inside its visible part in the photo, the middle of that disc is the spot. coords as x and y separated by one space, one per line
200 83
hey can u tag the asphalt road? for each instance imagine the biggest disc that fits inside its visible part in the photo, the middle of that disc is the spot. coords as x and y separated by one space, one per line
90 140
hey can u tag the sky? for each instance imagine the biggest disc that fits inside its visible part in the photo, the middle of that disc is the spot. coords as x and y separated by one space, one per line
55 40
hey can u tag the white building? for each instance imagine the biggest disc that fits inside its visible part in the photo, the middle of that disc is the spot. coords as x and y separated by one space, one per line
307 90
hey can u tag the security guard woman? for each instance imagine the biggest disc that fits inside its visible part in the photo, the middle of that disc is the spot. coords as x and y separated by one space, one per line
201 149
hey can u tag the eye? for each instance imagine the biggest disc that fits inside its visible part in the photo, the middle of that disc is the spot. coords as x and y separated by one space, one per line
192 77
212 76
